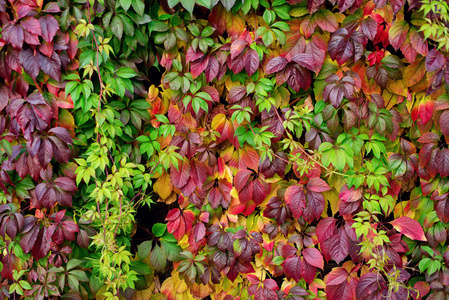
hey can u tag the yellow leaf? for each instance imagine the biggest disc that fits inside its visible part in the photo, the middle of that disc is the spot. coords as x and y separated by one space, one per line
163 186
201 291
414 73
332 197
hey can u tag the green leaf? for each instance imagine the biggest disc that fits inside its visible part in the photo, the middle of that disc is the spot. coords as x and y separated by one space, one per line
125 72
188 5
159 229
144 249
126 4
140 267
117 26
158 259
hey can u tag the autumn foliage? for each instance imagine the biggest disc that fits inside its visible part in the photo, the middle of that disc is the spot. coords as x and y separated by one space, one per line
286 149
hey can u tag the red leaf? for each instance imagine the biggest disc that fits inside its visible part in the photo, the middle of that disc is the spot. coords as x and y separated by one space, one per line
418 43
296 200
337 276
198 172
308 272
409 227
313 257
293 267
425 110
237 47
180 177
317 185
241 179
49 26
275 65
250 157
325 229
199 231
345 4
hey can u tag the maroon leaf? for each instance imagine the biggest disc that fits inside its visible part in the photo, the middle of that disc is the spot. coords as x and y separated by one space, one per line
42 244
28 239
442 160
339 246
31 25
313 5
49 26
212 69
345 4
4 97
275 65
252 61
30 62
435 61
51 66
236 93
368 284
13 34
345 45
369 28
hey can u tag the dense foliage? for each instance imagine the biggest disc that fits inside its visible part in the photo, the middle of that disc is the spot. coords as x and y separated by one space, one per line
277 149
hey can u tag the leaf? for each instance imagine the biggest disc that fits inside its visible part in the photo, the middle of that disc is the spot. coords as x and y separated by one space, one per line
325 229
368 284
163 186
13 34
398 33
414 73
337 276
251 59
313 257
409 227
117 26
293 267
31 25
296 200
199 231
369 28
158 259
344 45
339 245
442 160
275 65
435 61
326 20
49 27
317 185
51 66
444 123
314 5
